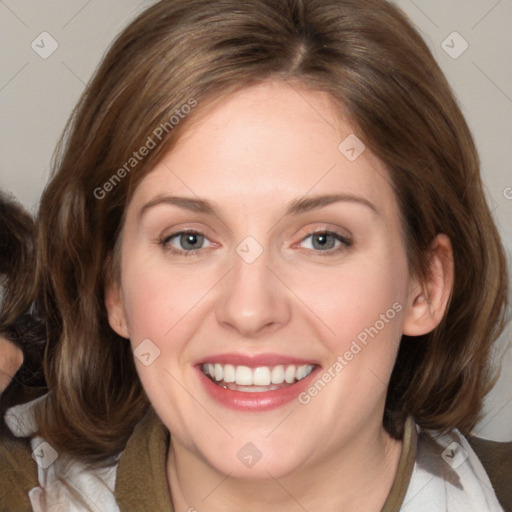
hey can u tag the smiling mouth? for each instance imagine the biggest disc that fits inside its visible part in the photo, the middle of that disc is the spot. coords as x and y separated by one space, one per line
252 380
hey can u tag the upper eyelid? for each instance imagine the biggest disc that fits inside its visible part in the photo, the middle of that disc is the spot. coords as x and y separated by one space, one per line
306 234
184 231
338 236
339 231
322 226
303 232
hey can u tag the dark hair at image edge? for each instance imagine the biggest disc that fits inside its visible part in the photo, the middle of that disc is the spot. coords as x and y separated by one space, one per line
17 235
20 323
381 75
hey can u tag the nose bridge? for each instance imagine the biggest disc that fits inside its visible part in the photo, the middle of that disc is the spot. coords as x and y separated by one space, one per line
253 299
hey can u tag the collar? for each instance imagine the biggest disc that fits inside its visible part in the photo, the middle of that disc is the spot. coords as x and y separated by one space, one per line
141 482
405 468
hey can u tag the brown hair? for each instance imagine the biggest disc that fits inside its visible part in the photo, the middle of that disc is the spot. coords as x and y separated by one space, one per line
19 320
379 71
17 236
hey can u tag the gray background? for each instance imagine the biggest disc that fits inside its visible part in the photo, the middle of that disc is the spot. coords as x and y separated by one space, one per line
37 95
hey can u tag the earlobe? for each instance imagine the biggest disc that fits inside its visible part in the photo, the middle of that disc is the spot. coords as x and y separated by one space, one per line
429 299
115 309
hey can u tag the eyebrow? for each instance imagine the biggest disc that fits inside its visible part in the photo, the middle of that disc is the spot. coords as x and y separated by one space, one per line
295 207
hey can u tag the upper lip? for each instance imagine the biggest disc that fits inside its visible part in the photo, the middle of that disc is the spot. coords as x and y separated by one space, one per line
254 360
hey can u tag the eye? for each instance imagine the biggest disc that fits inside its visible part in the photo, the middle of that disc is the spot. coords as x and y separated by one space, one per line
325 242
190 242
185 243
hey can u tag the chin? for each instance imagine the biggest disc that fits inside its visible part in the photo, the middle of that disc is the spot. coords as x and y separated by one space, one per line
248 460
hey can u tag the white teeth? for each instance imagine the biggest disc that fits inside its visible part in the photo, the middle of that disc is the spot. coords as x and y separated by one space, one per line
219 372
289 374
229 373
301 372
278 374
243 376
260 376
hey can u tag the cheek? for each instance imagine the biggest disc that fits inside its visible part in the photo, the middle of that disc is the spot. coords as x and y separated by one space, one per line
155 298
360 311
165 304
362 304
365 295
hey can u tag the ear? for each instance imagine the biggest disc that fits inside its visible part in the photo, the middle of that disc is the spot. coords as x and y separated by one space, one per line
429 299
115 308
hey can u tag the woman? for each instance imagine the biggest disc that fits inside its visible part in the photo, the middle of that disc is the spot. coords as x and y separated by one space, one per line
11 358
263 248
21 330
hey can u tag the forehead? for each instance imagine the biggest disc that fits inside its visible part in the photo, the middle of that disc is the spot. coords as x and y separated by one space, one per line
270 142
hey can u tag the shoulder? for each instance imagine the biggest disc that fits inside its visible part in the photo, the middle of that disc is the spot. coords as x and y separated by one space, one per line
33 475
496 457
18 473
141 482
449 474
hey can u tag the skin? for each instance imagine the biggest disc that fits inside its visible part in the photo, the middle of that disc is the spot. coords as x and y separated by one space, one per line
251 155
11 358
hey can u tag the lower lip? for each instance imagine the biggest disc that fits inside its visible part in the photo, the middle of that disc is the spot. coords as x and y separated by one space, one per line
257 401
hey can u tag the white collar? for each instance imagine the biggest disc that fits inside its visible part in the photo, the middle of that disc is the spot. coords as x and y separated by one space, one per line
447 475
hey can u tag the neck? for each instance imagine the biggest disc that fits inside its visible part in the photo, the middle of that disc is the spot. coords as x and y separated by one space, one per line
356 477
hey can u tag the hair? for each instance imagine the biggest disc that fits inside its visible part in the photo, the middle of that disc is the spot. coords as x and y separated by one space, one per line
17 235
380 73
19 321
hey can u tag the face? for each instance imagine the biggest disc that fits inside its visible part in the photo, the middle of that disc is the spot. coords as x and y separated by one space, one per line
233 264
11 358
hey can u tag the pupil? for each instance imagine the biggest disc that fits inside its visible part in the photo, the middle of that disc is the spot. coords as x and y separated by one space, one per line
190 239
322 239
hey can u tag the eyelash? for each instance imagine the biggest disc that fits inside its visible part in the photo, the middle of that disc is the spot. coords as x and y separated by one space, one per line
345 243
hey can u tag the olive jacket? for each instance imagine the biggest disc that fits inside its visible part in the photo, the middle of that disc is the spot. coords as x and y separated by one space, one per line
138 481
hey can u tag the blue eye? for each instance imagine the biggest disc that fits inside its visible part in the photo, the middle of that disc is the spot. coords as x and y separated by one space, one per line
325 242
188 240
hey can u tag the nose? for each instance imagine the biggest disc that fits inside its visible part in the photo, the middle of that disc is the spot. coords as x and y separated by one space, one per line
254 301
